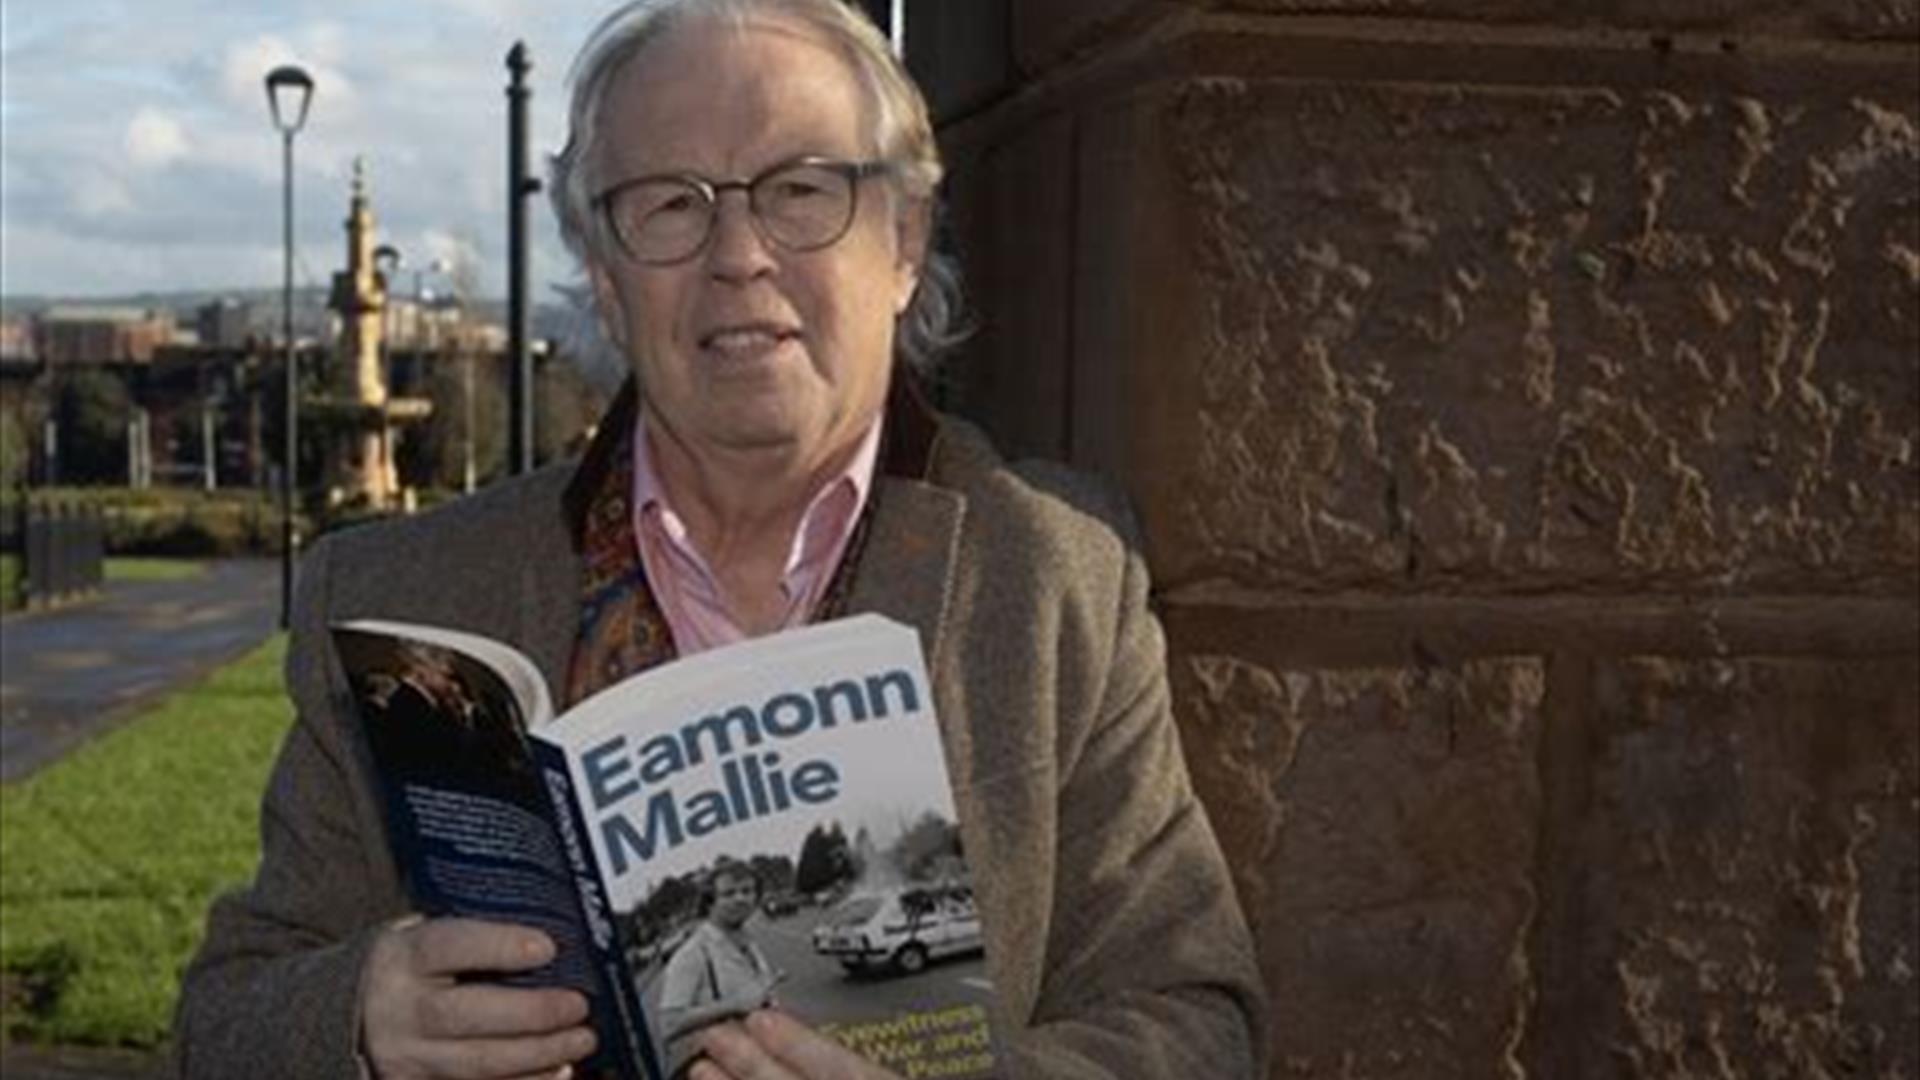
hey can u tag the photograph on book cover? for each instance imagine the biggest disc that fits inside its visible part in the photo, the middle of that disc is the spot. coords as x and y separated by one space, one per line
448 733
827 878
437 708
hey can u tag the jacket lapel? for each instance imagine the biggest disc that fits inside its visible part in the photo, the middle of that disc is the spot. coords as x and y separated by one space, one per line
906 570
546 602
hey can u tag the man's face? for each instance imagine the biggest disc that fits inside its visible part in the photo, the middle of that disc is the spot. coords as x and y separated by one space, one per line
733 899
748 346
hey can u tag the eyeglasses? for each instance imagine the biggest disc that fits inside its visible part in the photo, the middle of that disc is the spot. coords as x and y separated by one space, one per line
802 205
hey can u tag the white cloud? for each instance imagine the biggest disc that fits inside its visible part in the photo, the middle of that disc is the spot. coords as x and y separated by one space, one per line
155 139
99 194
138 133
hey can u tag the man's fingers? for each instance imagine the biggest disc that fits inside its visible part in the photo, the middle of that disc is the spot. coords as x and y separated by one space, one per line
473 1010
463 946
705 1069
804 1051
732 1054
770 1045
485 1059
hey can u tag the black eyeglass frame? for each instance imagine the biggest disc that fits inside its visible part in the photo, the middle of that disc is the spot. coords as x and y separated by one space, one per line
710 191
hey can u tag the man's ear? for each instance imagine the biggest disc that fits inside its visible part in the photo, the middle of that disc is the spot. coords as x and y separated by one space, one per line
913 233
606 304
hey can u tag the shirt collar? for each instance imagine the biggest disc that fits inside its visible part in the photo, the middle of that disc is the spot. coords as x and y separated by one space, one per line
817 525
907 450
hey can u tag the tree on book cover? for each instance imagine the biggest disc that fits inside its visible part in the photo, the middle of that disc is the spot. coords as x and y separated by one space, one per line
767 823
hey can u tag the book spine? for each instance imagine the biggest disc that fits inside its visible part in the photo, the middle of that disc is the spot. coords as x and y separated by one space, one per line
625 1030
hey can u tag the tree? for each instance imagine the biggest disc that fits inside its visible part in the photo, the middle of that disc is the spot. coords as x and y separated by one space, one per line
566 406
825 860
435 454
18 425
91 409
774 873
930 842
671 900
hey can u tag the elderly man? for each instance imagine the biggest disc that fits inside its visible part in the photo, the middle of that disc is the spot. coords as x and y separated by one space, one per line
749 184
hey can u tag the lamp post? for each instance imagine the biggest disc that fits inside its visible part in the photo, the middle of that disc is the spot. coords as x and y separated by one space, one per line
387 261
289 92
420 298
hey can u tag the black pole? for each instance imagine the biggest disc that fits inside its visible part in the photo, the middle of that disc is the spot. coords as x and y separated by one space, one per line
290 462
520 187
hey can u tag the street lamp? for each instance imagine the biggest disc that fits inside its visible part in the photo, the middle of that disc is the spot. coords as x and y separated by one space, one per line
289 92
420 297
387 262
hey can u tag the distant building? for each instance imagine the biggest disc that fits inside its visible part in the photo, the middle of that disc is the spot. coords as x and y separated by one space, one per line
88 334
226 323
16 342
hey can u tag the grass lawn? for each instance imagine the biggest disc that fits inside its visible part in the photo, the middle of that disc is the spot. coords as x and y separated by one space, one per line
135 568
9 581
118 568
108 858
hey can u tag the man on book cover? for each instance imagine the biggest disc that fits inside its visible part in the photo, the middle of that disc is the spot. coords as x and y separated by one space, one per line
717 973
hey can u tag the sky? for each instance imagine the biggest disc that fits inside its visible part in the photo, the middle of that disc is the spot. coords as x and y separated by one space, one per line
137 152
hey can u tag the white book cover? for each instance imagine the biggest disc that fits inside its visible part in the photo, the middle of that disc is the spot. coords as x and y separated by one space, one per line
770 823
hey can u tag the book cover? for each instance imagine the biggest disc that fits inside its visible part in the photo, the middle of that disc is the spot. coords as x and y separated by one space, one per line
768 823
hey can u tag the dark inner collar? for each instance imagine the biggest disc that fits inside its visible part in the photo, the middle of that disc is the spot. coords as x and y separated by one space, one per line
906 451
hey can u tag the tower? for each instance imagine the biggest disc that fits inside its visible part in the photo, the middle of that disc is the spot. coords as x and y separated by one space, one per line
362 417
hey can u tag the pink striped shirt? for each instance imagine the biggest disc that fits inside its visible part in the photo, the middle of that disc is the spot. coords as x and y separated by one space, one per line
683 581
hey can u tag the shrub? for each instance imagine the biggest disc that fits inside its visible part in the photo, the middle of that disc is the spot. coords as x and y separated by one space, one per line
173 521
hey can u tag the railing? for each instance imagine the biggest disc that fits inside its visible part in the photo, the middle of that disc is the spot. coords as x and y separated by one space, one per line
63 546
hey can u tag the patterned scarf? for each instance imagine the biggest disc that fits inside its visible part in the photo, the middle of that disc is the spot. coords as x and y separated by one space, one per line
622 629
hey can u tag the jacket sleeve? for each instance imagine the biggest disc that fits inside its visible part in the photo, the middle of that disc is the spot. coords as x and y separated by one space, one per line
275 987
1150 970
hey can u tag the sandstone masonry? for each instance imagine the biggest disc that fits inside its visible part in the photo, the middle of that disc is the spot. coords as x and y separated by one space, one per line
1521 402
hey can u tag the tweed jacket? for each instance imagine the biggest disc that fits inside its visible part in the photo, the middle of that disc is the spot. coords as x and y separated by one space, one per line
1115 945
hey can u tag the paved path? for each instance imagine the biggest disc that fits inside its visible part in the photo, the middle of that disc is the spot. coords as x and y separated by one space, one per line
69 674
66 675
81 1063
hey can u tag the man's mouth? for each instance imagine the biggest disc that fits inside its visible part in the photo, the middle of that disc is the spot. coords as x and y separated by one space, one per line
746 340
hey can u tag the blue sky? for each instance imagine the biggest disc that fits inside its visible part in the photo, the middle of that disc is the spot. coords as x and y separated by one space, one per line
137 153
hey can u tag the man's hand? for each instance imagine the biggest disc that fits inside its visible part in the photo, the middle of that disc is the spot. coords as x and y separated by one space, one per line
770 1045
419 1022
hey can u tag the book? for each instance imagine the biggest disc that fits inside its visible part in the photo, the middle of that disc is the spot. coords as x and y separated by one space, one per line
769 823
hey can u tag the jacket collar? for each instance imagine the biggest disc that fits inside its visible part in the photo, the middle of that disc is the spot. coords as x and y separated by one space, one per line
912 429
905 571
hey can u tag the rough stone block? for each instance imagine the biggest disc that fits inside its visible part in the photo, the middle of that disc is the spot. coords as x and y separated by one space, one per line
1046 31
1751 875
1844 18
1381 824
1516 338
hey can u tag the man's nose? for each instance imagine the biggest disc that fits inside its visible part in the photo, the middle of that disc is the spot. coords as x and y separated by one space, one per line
738 251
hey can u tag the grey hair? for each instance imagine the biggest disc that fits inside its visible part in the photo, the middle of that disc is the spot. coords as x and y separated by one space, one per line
934 320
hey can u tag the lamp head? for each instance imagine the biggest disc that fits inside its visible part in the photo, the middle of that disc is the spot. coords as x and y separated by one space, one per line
289 91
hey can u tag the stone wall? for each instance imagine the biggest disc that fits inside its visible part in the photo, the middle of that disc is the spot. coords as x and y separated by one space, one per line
1521 404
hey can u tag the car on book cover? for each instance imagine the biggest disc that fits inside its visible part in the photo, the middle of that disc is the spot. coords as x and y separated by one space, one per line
901 928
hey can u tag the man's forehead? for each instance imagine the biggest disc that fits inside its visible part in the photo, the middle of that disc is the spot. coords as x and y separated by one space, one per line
754 79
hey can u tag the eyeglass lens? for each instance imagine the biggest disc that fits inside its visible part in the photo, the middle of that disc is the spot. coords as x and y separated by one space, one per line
802 206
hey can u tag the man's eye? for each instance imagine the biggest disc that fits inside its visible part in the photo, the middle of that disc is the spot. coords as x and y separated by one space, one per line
792 189
677 204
